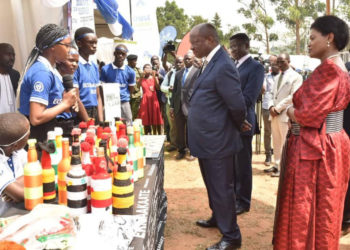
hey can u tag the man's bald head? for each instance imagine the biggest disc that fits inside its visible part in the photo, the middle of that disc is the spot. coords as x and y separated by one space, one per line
206 30
204 38
4 46
12 127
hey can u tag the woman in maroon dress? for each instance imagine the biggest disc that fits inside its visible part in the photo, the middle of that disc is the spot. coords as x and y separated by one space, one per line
315 176
149 107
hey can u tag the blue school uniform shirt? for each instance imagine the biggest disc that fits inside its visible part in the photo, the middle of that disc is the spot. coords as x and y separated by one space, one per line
42 84
87 79
125 76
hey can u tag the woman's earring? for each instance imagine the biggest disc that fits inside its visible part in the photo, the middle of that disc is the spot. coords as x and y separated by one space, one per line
328 44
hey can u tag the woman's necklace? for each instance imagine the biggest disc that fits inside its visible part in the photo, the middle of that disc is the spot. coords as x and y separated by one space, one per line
332 56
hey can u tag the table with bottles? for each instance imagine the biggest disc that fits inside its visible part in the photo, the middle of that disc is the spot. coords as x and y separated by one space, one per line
105 170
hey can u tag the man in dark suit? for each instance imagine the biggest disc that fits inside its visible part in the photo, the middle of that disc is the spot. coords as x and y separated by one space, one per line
251 75
8 79
176 105
217 112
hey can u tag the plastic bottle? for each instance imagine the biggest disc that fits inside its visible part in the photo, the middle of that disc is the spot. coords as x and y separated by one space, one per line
63 168
101 186
76 184
133 153
49 190
51 138
123 190
33 182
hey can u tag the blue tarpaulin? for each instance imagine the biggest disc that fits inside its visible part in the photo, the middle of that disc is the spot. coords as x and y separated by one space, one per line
109 11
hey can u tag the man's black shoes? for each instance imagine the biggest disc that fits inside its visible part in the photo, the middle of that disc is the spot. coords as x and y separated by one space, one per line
271 170
241 210
225 245
206 223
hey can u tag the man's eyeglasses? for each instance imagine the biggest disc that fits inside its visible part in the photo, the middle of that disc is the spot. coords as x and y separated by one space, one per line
68 45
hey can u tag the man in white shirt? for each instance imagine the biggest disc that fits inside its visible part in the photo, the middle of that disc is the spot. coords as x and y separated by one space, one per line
8 79
287 82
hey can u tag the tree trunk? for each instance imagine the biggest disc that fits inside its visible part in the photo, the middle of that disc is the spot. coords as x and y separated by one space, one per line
267 41
297 36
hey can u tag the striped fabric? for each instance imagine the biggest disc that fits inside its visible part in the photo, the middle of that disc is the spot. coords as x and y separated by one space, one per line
334 123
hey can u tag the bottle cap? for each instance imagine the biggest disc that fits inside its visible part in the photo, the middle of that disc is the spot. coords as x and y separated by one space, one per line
58 131
130 130
51 135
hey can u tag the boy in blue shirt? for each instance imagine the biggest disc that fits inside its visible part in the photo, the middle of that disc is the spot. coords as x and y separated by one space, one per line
86 77
125 76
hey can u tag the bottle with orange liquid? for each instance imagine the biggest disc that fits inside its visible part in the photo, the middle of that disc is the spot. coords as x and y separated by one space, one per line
63 168
33 181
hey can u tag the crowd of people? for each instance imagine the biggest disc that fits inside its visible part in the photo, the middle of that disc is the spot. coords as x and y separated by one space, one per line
205 104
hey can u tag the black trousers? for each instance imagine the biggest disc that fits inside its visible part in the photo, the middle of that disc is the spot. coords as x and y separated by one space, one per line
243 173
180 125
40 132
218 178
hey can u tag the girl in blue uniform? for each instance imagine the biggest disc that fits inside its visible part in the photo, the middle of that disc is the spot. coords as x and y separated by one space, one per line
42 96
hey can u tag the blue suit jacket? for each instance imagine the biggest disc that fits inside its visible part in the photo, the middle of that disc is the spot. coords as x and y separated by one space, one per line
251 74
217 110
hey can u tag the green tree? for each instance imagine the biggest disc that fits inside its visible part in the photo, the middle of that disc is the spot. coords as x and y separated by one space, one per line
294 12
197 20
261 21
342 9
171 14
216 21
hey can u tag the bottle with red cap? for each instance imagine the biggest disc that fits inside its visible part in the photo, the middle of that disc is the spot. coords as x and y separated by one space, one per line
122 130
101 186
89 169
49 190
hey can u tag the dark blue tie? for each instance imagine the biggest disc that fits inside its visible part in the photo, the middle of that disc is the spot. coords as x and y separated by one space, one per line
184 77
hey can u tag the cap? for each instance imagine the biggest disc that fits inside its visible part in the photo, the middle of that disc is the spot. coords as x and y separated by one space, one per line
131 57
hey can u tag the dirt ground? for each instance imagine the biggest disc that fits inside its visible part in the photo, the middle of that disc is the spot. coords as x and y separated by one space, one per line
188 202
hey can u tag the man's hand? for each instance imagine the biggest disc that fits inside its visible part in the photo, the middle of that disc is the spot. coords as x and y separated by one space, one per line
246 126
273 112
171 112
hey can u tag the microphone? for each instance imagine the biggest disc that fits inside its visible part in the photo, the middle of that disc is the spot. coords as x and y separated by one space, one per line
68 85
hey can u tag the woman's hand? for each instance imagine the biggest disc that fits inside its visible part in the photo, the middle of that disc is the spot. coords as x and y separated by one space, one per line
290 114
70 98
